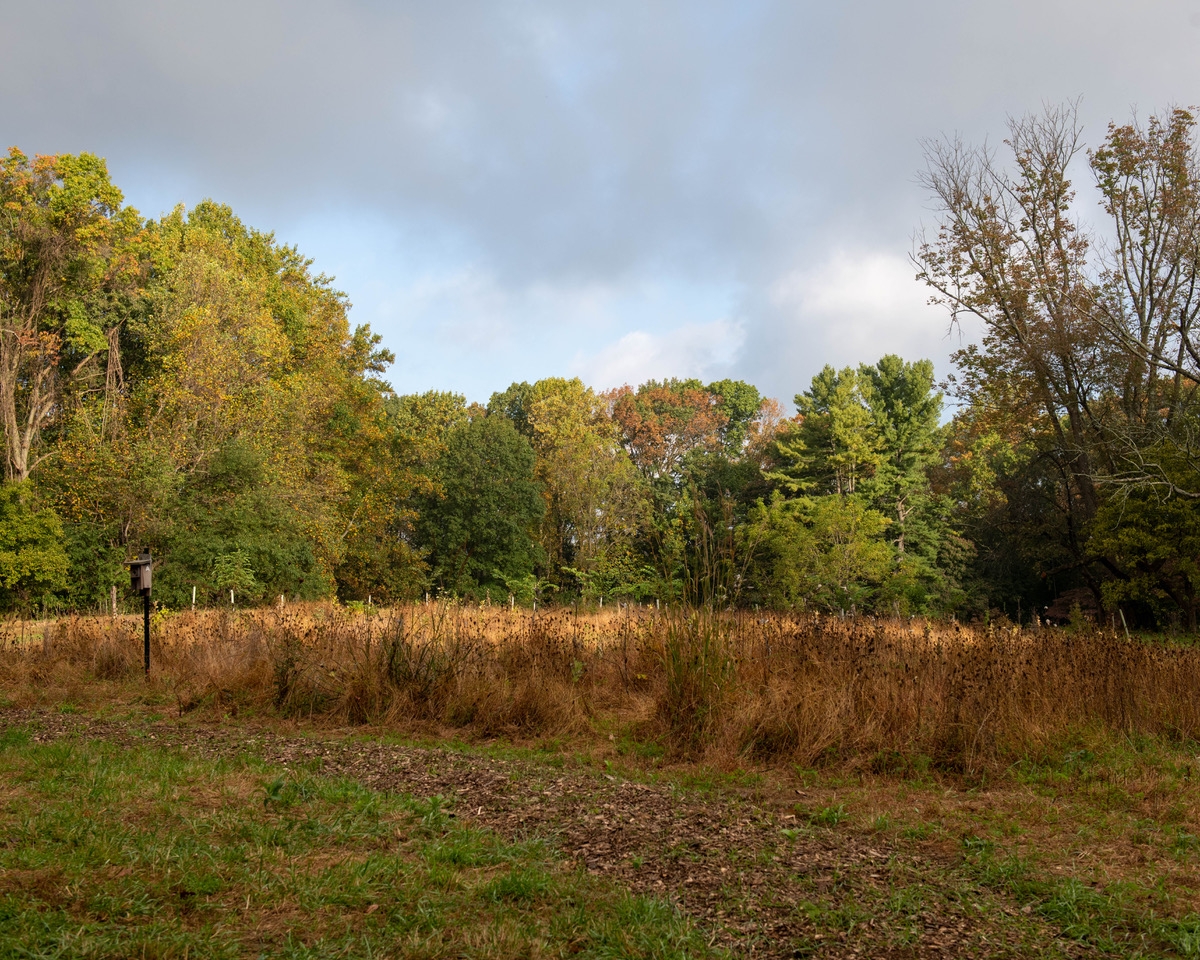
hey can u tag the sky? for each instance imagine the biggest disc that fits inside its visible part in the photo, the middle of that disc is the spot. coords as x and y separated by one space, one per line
617 191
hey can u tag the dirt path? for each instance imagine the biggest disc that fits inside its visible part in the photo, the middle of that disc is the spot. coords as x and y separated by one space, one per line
767 884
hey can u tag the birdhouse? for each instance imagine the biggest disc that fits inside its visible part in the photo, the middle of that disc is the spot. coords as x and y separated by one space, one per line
139 573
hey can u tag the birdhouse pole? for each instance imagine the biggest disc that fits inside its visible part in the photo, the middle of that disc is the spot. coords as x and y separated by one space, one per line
139 580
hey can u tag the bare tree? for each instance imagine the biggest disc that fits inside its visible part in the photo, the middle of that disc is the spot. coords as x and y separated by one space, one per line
1149 300
1090 348
1009 251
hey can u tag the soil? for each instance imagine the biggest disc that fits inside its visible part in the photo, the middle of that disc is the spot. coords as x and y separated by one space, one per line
746 863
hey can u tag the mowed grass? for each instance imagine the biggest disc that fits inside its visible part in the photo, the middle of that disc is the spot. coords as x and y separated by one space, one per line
1102 845
139 851
1098 843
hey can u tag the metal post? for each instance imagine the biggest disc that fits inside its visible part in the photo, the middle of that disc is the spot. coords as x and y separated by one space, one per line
146 627
140 569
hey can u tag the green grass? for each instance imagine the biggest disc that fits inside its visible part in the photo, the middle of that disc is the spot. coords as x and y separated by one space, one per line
829 816
414 882
119 851
1114 920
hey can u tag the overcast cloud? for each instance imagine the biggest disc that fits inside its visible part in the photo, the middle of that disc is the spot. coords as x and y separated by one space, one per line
615 190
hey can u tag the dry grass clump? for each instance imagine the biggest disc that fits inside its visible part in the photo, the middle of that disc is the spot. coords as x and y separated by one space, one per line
963 697
770 687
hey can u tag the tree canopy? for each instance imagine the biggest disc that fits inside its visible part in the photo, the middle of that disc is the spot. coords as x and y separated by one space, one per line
193 386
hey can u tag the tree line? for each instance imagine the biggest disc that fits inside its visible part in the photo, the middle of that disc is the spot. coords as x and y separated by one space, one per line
191 385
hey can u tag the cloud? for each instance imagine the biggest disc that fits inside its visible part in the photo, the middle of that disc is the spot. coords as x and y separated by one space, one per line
508 190
702 350
468 324
852 306
854 303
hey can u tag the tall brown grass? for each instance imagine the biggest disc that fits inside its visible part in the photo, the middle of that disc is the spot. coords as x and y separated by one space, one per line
768 687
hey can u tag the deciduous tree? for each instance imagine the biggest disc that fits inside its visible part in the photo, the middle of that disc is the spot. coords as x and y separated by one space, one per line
68 265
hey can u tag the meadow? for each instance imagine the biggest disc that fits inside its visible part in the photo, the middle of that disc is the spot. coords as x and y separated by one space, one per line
725 688
764 784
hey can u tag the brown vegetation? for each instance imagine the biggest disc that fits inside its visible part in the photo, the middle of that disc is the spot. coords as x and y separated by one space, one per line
726 687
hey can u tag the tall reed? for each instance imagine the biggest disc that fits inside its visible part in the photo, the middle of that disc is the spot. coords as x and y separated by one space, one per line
730 686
